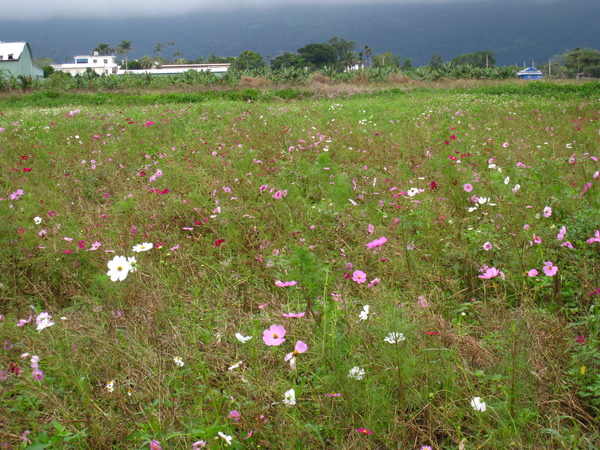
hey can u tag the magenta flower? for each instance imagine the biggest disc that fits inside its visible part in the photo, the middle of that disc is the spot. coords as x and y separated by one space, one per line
364 431
274 335
580 339
550 269
301 347
359 276
377 242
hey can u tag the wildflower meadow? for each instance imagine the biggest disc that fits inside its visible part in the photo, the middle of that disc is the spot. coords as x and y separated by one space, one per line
406 268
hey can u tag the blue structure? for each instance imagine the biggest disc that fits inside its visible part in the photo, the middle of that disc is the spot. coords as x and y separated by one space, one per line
530 73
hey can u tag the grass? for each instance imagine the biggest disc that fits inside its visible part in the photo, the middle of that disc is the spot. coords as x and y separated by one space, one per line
236 193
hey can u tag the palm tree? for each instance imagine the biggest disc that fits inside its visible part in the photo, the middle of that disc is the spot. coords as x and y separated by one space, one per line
123 48
104 49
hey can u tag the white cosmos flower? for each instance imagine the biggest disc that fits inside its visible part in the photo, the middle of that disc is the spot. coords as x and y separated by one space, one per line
412 192
226 438
478 404
143 247
243 339
235 366
131 260
289 398
394 338
356 373
178 361
119 268
364 315
37 220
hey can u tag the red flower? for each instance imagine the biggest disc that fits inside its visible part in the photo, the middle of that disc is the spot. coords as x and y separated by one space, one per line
218 242
364 431
27 169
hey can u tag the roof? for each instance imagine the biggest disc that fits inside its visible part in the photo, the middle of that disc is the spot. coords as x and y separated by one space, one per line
529 71
11 48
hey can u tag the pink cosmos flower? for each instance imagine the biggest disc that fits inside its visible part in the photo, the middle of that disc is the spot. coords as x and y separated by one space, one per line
37 374
300 314
370 228
235 415
274 335
94 246
468 187
547 211
567 244
490 273
333 394
374 282
505 145
595 238
359 276
154 444
300 347
377 242
537 239
532 273
487 246
561 234
23 322
285 283
364 431
550 269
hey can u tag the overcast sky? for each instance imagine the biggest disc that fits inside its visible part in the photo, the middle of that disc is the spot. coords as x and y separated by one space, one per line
46 9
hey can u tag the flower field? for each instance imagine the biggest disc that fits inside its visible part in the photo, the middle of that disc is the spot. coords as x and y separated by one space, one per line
393 270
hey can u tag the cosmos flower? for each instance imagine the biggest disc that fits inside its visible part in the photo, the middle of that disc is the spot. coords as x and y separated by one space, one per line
289 398
142 247
274 335
356 373
478 404
394 338
301 347
118 268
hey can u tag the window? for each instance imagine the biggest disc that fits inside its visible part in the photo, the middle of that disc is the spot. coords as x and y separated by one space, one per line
95 61
81 61
106 61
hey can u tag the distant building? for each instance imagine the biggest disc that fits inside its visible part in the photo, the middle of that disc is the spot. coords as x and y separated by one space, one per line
101 64
16 59
529 74
172 69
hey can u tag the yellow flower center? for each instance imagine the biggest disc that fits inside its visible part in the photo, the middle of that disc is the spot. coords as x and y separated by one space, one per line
296 352
275 335
119 268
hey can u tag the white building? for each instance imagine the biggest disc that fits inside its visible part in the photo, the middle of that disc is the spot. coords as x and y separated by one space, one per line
101 64
172 69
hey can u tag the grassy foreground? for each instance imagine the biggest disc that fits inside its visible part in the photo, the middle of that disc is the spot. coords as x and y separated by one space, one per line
414 269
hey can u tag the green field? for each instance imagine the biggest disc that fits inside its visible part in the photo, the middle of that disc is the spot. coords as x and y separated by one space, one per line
432 254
